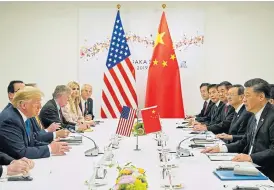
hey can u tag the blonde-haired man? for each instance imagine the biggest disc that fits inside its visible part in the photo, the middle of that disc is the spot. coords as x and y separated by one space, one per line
16 138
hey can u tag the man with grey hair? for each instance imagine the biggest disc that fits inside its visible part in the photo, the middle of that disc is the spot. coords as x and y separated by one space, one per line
52 112
241 117
86 103
257 145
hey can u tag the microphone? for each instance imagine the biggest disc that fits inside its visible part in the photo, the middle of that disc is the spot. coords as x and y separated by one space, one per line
183 151
90 152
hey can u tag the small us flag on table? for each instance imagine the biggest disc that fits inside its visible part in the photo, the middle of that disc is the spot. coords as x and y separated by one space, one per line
126 121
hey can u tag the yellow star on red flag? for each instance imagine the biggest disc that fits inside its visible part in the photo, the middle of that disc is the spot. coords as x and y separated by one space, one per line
173 57
164 63
159 39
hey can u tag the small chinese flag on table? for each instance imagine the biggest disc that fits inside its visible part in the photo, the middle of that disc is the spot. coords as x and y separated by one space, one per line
151 119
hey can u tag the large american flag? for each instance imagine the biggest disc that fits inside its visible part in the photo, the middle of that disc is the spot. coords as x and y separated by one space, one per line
119 79
126 121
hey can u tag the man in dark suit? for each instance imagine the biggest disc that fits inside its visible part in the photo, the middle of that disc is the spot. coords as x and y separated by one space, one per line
11 167
214 116
241 117
86 103
207 102
40 134
52 113
226 113
257 145
16 137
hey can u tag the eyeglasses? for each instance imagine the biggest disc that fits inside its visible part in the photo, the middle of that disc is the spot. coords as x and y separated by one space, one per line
75 89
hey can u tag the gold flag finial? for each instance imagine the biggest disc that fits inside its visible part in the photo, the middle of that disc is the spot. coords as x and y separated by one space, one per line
164 6
118 6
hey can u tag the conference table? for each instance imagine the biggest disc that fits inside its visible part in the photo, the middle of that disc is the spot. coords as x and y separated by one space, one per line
72 170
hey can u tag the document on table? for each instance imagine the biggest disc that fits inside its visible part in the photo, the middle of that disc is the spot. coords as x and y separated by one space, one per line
221 156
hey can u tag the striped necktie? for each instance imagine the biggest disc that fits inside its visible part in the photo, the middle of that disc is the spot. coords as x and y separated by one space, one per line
253 128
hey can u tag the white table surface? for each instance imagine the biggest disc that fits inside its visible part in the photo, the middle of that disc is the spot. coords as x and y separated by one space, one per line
71 171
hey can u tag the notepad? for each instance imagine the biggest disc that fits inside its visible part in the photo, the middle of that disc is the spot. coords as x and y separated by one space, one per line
230 176
221 154
203 141
221 158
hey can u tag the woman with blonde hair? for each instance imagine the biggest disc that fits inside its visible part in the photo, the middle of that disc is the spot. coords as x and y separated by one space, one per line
71 111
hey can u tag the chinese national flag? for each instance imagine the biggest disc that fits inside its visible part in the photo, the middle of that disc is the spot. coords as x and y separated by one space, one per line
151 119
163 84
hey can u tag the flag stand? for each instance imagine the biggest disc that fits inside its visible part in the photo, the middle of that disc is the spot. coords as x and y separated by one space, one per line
137 141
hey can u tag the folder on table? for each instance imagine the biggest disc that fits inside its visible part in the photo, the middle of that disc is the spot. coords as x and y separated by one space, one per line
230 176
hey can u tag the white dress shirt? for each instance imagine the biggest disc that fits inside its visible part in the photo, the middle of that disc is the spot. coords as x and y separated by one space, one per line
217 103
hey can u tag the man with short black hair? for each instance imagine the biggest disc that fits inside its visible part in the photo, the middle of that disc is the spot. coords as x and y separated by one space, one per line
226 114
214 116
13 87
257 145
207 102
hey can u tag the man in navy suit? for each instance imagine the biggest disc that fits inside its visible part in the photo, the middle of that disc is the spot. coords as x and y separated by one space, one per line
16 137
44 135
241 116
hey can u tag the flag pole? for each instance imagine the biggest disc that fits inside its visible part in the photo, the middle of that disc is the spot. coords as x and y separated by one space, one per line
137 141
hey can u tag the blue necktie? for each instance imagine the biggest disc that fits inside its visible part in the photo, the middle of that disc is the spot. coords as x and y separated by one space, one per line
27 122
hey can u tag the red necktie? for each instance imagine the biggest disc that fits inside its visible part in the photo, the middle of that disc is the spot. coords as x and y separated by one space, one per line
226 107
206 104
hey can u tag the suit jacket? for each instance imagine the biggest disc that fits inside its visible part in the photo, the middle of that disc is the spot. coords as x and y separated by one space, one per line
239 124
9 104
214 116
50 114
14 140
225 118
89 110
4 160
263 148
203 113
40 134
